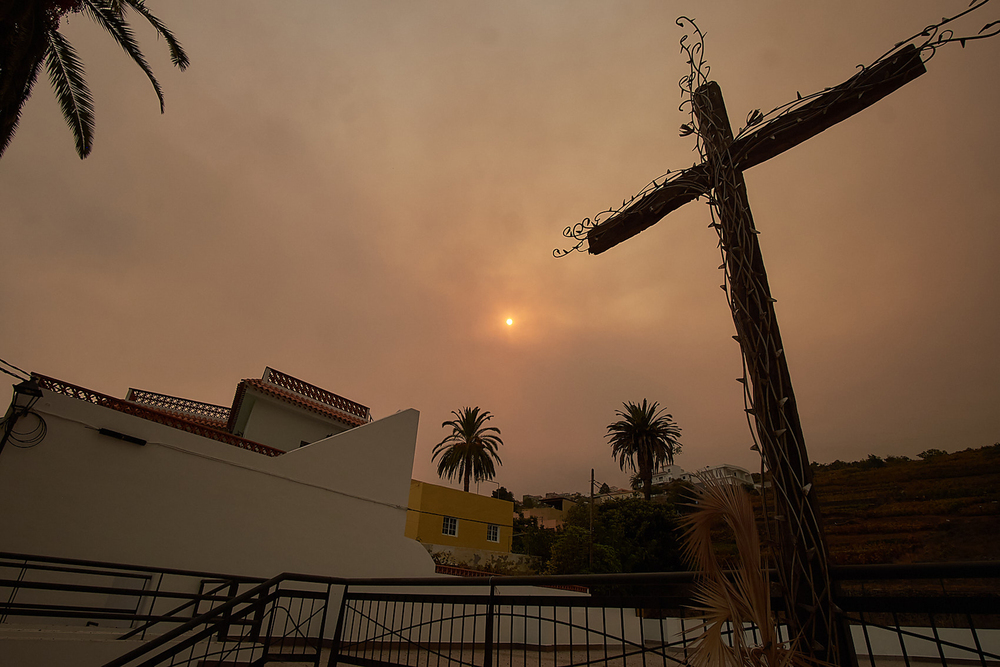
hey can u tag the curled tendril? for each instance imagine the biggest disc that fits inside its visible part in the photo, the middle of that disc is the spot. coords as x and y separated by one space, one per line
935 36
695 51
693 45
927 40
579 233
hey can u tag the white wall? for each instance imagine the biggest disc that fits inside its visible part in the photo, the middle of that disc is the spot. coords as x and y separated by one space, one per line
277 424
336 507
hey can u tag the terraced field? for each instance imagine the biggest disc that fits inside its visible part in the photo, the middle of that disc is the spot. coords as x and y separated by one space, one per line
944 508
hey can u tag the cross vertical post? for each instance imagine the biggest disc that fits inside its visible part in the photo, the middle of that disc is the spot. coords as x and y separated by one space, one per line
803 568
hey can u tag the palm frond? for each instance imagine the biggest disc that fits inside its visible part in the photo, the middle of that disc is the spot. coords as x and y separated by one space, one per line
733 599
10 115
66 74
177 54
26 44
104 13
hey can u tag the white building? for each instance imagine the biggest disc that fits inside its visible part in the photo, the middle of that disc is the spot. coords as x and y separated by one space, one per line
667 474
724 472
290 478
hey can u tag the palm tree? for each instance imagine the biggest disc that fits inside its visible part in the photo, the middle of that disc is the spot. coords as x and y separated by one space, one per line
470 450
29 35
643 439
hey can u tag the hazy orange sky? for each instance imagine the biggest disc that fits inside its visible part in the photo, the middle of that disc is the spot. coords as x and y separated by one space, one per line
360 193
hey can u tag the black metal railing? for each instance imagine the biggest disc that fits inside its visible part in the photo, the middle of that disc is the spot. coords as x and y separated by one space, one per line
946 615
136 600
283 619
623 619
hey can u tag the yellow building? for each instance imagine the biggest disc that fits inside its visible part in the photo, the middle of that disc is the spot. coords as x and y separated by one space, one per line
466 524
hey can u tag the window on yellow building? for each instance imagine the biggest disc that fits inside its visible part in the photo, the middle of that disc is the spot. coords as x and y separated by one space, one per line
449 526
493 533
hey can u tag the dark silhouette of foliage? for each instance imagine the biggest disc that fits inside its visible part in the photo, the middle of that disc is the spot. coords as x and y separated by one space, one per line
630 535
644 438
29 36
873 461
503 494
470 450
571 554
532 540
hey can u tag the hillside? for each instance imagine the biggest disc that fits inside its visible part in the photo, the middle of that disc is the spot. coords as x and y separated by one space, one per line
942 508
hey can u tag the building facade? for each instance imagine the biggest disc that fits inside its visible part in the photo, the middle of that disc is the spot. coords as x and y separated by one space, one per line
723 472
472 528
290 478
551 509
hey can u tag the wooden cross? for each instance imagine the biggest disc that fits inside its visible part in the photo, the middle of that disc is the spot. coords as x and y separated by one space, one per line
803 567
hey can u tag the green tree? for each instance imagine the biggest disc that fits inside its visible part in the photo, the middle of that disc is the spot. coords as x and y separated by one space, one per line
29 36
644 438
532 540
644 536
571 554
470 450
630 535
502 493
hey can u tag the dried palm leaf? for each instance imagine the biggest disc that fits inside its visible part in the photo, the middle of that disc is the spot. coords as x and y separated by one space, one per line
735 601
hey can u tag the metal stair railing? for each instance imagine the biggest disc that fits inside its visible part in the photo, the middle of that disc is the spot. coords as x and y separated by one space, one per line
948 614
106 594
170 615
270 622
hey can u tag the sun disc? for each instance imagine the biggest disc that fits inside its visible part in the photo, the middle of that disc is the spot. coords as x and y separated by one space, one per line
509 321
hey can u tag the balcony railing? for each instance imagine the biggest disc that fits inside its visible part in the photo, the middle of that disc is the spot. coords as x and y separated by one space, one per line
216 416
314 393
946 615
136 410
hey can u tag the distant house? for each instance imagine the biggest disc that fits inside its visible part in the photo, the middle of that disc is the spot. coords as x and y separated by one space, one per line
672 473
724 472
472 528
290 477
552 509
615 494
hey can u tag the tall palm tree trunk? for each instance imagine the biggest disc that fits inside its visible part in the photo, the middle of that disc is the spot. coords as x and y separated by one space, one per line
646 474
468 469
22 50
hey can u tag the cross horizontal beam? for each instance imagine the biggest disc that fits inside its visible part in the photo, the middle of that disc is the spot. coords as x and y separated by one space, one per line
775 137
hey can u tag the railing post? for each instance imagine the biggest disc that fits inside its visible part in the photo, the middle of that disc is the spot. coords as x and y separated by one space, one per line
338 633
322 623
488 657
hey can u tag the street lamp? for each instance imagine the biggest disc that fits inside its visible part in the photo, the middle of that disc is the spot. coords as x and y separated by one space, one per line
26 394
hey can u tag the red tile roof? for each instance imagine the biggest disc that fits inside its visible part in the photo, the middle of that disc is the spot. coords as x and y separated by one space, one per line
217 421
